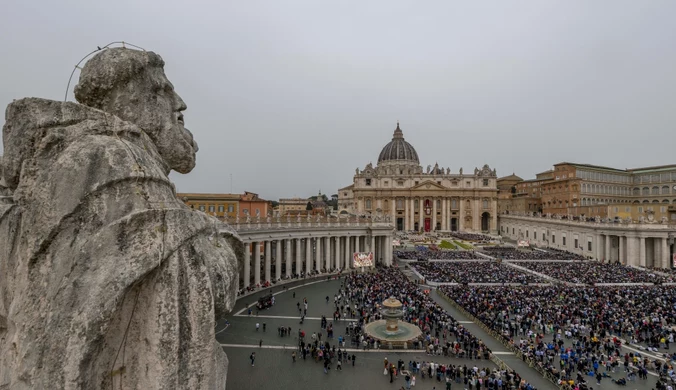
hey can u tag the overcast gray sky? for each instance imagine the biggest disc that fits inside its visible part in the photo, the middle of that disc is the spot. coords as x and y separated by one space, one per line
291 96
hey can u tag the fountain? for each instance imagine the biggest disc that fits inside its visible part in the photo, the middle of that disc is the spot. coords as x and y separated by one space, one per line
390 331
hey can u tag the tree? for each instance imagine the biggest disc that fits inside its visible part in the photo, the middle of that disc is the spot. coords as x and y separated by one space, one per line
309 206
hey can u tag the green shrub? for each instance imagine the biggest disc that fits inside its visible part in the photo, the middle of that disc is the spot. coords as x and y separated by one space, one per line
447 245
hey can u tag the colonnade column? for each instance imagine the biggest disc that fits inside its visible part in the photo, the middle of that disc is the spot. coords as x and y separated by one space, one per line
257 262
394 212
268 258
278 260
298 259
388 250
247 265
621 250
406 211
607 254
348 254
461 217
308 255
631 256
433 228
287 257
318 254
327 253
372 247
641 252
336 250
664 253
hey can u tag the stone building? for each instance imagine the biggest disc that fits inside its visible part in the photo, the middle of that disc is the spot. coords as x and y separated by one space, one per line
418 199
227 205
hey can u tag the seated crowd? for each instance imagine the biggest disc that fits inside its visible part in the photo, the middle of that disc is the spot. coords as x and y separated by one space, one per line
473 272
512 253
591 272
471 236
564 255
570 332
424 255
442 334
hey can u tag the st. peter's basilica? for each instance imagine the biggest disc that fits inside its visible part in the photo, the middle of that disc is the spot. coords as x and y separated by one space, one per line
422 199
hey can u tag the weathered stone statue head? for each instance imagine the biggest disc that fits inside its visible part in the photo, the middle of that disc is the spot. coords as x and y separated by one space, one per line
131 84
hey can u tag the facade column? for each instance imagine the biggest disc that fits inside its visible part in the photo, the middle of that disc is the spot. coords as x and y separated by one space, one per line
287 257
394 212
327 253
598 246
641 252
372 247
607 254
664 253
461 217
308 255
298 255
268 258
620 242
476 215
336 250
389 250
434 215
278 260
412 216
318 254
444 214
406 211
421 207
247 265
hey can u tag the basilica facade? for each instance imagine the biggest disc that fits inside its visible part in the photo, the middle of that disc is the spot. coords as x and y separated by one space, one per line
417 199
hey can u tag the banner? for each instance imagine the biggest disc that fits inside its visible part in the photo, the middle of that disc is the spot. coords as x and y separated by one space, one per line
523 243
362 259
396 242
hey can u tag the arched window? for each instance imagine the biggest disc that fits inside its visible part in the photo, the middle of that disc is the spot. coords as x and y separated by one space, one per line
665 190
368 204
646 191
485 203
637 191
655 191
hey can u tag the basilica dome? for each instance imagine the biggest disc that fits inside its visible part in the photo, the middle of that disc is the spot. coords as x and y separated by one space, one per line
398 150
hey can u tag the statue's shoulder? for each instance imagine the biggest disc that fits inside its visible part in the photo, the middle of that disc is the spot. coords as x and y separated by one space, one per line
42 127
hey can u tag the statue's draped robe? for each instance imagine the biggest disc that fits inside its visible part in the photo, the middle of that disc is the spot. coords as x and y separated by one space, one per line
109 280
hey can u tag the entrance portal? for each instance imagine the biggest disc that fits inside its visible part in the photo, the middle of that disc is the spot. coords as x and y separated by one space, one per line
428 223
485 222
400 223
454 224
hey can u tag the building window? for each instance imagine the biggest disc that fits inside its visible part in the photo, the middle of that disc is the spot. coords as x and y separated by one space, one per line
589 246
368 182
438 204
563 240
368 204
485 182
201 207
627 209
415 203
512 230
485 204
231 208
416 182
386 183
543 236
469 183
526 233
454 203
553 239
656 191
640 209
400 204
221 208
400 183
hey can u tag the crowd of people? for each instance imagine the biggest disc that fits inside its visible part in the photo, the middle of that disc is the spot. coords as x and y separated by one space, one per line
512 253
592 272
471 236
564 255
573 332
473 272
442 334
425 255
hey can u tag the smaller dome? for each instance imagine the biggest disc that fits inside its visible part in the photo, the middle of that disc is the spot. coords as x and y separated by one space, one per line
398 149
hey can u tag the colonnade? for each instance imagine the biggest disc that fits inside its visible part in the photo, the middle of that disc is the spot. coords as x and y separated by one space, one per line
639 250
280 258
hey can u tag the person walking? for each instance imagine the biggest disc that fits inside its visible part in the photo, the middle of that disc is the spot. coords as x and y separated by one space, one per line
260 343
253 358
598 378
293 356
339 365
257 326
353 359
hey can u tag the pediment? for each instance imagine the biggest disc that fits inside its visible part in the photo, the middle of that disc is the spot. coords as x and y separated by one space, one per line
428 185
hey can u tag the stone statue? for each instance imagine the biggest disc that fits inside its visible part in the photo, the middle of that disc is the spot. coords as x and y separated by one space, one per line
248 216
448 171
429 168
258 214
356 171
298 218
107 280
461 170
